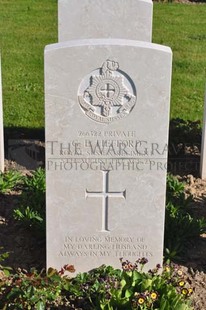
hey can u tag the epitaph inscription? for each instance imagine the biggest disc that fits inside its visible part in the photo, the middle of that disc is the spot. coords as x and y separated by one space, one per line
105 246
105 195
107 94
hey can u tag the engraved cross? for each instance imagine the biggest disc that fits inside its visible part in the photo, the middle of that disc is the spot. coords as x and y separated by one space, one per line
105 194
108 90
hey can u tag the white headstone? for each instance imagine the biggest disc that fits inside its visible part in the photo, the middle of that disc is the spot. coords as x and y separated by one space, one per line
107 116
203 145
1 128
121 19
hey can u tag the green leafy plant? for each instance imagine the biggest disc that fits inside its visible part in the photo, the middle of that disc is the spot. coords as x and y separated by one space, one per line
33 290
9 181
175 195
31 211
102 288
5 270
180 226
131 288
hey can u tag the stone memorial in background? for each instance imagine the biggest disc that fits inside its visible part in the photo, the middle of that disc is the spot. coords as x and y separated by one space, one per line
203 146
91 19
107 116
1 128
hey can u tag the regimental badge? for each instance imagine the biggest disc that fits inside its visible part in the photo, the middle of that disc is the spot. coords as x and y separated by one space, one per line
107 94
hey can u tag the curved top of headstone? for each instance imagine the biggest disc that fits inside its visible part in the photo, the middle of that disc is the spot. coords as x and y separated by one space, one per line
107 42
121 19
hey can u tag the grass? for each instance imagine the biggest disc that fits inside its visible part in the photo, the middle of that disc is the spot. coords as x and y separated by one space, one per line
182 27
26 26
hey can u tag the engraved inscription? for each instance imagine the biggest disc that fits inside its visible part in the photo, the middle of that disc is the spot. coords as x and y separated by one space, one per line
107 94
105 245
105 194
111 164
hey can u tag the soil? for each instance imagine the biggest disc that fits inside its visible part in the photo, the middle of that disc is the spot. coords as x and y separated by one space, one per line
195 265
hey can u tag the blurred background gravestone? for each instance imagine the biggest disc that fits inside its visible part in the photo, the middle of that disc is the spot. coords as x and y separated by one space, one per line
92 19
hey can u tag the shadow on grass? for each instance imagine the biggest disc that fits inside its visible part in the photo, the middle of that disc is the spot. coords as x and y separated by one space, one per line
198 1
184 147
23 133
17 133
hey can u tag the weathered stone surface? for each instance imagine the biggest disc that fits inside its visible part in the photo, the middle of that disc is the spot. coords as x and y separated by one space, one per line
119 19
107 116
